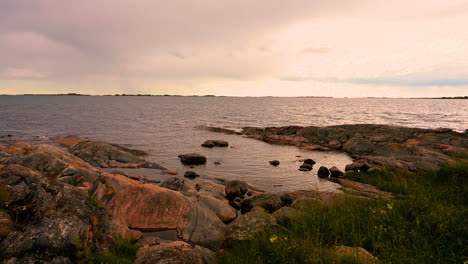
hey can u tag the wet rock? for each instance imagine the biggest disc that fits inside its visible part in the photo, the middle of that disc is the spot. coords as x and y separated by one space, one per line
268 201
135 177
236 188
274 162
176 252
323 172
191 174
192 159
215 143
305 167
208 144
309 161
249 225
286 214
335 172
217 163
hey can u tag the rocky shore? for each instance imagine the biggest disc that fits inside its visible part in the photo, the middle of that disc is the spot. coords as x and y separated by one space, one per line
411 149
55 200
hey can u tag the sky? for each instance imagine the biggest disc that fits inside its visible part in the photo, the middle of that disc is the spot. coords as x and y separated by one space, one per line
340 48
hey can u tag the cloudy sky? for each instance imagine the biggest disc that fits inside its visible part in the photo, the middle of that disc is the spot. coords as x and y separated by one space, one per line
241 48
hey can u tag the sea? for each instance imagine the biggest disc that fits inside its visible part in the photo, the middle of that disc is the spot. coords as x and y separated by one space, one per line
167 126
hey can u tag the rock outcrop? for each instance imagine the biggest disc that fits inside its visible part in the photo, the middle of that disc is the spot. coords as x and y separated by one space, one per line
192 159
412 149
106 155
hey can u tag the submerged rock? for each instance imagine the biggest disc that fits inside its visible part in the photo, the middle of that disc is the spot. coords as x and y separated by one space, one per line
305 167
309 161
192 159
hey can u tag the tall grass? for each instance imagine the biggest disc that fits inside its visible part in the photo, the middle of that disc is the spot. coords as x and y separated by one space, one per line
426 222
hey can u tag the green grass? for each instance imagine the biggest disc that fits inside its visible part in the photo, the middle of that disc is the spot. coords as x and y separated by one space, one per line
121 251
426 222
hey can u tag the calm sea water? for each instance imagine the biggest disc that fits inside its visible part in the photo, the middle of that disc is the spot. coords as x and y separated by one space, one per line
166 127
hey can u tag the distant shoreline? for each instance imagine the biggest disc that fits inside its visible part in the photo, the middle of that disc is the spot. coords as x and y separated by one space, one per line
172 95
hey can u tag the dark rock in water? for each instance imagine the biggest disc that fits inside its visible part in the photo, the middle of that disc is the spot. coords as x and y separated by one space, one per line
323 172
191 175
309 161
236 188
217 163
352 167
171 172
268 201
208 144
274 162
171 252
215 143
192 159
306 167
335 172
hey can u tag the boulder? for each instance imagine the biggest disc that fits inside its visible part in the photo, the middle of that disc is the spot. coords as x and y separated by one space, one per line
286 214
236 188
191 174
120 172
323 172
335 172
274 162
221 208
268 201
192 159
176 252
249 225
179 184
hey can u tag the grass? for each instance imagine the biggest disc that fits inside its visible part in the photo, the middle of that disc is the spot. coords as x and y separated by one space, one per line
121 251
426 222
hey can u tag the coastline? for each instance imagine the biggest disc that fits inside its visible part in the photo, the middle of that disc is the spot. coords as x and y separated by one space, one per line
47 185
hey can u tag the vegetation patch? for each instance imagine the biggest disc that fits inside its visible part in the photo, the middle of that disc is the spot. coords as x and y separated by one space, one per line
424 223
